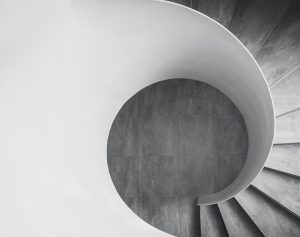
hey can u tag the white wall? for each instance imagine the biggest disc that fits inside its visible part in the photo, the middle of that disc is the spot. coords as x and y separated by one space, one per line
66 68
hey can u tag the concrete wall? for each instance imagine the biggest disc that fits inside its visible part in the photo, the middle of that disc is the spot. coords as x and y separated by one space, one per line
171 143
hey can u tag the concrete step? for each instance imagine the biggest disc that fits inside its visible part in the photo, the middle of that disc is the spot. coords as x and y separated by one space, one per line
270 218
280 53
237 221
212 224
254 20
287 128
285 158
286 93
281 188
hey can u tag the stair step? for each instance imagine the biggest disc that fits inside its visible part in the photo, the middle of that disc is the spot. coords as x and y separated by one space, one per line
280 53
285 158
212 224
287 128
270 218
254 33
281 188
286 93
237 221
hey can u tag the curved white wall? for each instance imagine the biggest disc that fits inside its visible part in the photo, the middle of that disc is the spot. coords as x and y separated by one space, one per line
66 70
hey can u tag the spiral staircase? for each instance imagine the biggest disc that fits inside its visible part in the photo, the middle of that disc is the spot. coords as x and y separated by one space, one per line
52 180
270 206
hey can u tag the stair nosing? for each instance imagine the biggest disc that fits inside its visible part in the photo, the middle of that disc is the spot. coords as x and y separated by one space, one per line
285 143
286 113
282 172
250 217
275 201
244 213
223 219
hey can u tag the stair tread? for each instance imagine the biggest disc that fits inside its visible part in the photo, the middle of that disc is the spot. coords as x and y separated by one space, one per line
287 128
271 218
286 93
280 53
212 224
282 188
285 158
237 221
253 33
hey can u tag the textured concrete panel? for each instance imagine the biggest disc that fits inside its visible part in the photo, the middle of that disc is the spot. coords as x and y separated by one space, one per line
123 138
225 163
286 94
132 203
158 136
163 213
285 158
159 99
254 20
226 109
195 183
281 53
238 223
219 10
159 176
198 135
189 217
287 128
231 137
195 99
212 224
284 189
128 110
125 175
271 218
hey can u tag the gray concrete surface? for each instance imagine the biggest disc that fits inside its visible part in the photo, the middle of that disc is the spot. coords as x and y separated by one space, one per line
254 20
212 224
287 128
281 53
285 158
282 188
238 223
271 218
286 94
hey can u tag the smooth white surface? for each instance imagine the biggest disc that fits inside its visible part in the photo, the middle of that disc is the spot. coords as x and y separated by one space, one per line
66 68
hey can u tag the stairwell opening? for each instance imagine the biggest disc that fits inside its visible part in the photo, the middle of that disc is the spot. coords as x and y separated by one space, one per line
171 143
